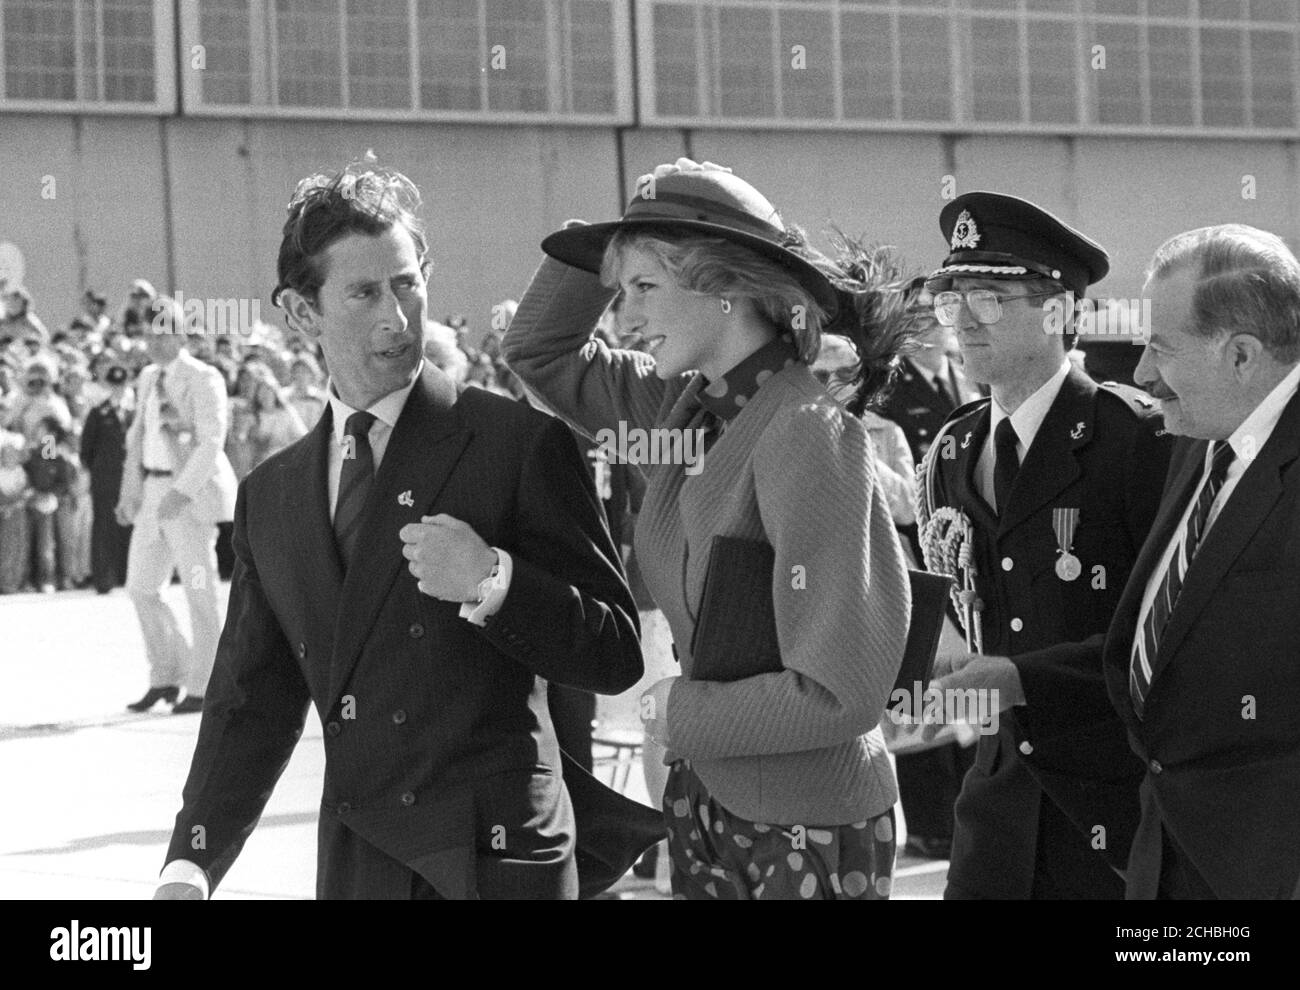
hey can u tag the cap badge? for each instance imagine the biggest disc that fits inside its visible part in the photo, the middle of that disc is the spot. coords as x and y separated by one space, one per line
965 234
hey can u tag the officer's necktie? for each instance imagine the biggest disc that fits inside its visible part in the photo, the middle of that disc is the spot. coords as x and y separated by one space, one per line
1147 644
1006 463
354 481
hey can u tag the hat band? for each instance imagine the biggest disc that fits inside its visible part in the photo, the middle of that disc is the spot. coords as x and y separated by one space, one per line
671 206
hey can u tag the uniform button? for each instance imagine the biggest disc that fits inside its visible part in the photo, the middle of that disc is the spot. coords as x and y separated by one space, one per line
344 808
1017 625
923 432
1026 747
1008 563
416 630
399 717
408 799
333 728
302 651
1155 766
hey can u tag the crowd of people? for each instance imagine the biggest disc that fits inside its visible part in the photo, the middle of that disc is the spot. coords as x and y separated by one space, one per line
68 398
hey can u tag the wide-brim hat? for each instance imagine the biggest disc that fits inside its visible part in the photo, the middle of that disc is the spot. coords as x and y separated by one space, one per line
711 201
992 235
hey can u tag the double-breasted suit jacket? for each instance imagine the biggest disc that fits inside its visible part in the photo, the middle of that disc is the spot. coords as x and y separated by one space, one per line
1100 450
441 759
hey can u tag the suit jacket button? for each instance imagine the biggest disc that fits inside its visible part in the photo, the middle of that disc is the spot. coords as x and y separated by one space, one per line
408 799
1155 766
1026 747
1008 563
399 717
344 808
302 651
333 728
416 630
1017 625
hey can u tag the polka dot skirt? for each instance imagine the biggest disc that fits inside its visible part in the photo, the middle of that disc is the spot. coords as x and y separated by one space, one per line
717 856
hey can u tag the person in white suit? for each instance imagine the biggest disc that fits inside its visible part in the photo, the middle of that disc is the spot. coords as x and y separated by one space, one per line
176 486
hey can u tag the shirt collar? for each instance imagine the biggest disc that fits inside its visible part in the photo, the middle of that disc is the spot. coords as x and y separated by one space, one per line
1248 439
386 410
1029 415
728 395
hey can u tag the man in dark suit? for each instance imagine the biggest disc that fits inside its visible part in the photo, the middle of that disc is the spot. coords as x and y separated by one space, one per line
1203 658
103 453
418 567
1059 478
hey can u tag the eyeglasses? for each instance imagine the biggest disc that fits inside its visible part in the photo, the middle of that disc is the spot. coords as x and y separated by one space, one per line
984 304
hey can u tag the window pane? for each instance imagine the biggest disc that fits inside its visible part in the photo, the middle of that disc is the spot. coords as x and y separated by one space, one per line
379 61
1123 8
128 50
925 67
745 62
807 91
676 67
451 59
1053 51
1272 55
1272 10
520 29
1223 91
40 61
1119 84
1167 8
1051 6
1229 10
1171 75
866 66
223 29
995 69
591 42
307 36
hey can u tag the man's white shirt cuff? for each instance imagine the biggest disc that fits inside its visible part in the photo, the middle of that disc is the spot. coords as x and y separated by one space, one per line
183 871
479 612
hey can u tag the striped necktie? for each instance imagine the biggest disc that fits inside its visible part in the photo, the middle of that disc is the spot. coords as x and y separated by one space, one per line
354 482
1146 646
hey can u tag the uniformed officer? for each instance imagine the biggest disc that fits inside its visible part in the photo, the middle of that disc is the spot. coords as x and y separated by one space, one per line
929 385
1060 479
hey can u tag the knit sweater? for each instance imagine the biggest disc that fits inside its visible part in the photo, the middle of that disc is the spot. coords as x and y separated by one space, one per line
802 746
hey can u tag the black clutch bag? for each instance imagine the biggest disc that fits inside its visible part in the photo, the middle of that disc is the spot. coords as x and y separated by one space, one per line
735 633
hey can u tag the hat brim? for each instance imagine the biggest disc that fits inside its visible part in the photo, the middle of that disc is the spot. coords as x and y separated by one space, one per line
584 247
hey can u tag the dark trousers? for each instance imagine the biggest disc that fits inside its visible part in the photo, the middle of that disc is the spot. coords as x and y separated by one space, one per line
572 712
109 545
928 783
225 550
44 562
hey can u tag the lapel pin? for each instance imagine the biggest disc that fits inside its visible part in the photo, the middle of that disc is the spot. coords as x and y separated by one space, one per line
1162 432
1077 431
406 499
966 440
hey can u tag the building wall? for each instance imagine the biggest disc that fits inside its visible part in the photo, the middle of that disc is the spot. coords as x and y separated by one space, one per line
219 187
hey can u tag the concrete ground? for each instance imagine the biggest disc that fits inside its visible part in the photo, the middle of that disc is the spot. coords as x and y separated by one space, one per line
91 790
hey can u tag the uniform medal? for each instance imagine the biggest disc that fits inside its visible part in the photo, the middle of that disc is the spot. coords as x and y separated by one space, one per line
1064 522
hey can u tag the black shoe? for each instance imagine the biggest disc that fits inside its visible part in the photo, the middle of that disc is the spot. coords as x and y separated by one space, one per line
153 696
192 705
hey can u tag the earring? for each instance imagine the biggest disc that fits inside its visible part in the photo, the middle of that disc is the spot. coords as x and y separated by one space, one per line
726 305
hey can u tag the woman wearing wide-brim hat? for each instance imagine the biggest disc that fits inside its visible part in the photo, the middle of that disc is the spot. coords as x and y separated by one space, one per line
780 785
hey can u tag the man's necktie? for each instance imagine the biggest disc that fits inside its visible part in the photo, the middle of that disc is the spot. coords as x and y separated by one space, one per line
1146 645
354 481
1006 463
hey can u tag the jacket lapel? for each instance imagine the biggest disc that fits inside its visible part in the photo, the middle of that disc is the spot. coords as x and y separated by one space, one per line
1051 464
320 568
968 444
1254 496
425 445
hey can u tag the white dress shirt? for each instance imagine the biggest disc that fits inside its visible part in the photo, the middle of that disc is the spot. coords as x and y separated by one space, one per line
156 453
386 412
1026 420
1247 441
